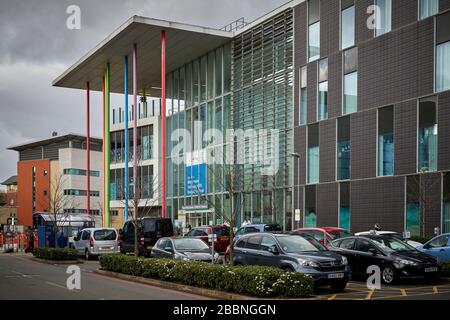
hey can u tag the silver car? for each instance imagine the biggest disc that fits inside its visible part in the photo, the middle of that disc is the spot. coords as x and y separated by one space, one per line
96 241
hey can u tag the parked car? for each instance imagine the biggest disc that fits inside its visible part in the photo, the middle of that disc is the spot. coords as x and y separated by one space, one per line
438 247
256 228
183 249
150 230
396 258
394 234
222 232
337 233
96 241
295 254
319 234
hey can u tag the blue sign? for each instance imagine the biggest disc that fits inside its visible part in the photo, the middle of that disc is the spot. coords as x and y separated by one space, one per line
196 179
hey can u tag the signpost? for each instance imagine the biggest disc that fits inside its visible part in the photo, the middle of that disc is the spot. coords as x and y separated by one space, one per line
212 238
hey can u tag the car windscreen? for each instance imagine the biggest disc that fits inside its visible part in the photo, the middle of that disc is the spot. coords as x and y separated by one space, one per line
298 244
390 244
105 235
190 245
272 227
222 231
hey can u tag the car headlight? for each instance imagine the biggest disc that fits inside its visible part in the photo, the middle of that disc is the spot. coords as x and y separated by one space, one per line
407 262
307 263
344 261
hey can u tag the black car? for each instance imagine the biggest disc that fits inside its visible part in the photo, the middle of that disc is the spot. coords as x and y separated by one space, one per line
396 259
150 230
295 254
183 249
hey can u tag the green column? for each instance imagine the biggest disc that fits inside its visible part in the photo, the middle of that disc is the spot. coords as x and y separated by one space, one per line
107 147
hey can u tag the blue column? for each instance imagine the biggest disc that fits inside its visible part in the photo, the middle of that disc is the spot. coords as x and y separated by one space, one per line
126 180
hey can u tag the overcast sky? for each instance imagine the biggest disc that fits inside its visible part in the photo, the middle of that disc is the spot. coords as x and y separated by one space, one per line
36 47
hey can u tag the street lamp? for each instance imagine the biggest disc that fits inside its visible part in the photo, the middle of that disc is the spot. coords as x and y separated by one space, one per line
297 156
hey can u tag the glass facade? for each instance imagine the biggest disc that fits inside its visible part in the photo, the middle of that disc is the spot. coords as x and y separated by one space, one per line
313 30
428 8
383 17
443 66
310 219
145 144
351 93
200 99
262 100
313 154
446 202
322 112
386 141
347 24
303 96
344 206
412 207
428 134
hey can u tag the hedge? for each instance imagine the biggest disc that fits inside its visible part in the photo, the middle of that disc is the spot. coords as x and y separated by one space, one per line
55 254
252 280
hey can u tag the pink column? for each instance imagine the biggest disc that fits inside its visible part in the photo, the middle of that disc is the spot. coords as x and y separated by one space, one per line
88 148
163 122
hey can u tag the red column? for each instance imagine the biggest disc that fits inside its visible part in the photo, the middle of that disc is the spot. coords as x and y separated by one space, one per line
163 122
88 148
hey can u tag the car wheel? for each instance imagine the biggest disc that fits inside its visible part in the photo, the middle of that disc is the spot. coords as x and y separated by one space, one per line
287 269
339 286
388 275
87 255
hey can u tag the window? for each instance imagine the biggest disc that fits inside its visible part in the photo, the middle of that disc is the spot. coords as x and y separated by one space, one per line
267 242
440 242
383 17
446 203
344 205
313 154
364 245
350 103
428 130
303 96
310 207
347 244
386 141
443 52
343 148
428 8
313 30
347 23
80 172
413 205
253 243
322 112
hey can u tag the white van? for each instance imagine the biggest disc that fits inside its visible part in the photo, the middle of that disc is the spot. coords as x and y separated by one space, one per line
96 241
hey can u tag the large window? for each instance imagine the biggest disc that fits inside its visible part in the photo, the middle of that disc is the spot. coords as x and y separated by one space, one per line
302 113
386 141
383 17
446 203
313 154
343 149
413 205
344 205
428 8
310 207
443 52
428 133
322 105
347 23
350 103
313 30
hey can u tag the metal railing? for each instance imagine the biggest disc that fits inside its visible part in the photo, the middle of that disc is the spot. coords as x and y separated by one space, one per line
235 25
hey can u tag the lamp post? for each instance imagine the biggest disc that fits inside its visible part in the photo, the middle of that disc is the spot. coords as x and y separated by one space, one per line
296 156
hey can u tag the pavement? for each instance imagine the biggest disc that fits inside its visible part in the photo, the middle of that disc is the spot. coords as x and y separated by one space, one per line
23 278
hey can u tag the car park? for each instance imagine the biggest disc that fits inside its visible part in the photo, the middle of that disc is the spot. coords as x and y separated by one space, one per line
438 247
394 234
96 241
395 258
294 254
183 248
150 230
222 233
256 228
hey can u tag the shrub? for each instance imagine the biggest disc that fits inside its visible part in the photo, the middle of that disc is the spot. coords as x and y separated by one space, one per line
253 280
55 254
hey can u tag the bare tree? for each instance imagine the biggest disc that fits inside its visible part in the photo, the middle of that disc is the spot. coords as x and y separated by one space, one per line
141 202
422 188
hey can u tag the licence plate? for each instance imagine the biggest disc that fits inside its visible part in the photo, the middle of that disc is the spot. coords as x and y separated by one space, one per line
336 276
106 248
224 239
434 269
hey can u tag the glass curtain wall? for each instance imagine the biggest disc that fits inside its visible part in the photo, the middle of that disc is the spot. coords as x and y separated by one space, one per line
428 133
386 141
443 52
262 100
200 99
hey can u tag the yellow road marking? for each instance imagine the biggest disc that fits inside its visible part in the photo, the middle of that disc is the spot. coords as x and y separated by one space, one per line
332 297
370 294
403 292
435 290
